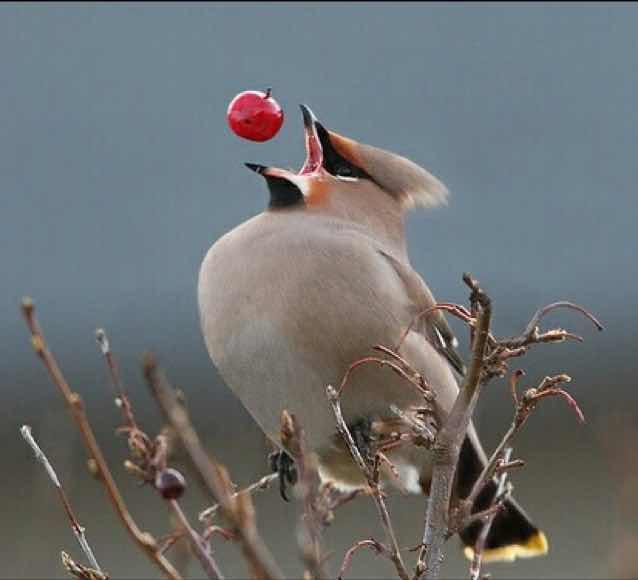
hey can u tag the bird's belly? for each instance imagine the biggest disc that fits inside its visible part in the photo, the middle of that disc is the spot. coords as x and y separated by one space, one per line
269 374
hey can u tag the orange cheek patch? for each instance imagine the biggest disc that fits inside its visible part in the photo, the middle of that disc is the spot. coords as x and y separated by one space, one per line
318 195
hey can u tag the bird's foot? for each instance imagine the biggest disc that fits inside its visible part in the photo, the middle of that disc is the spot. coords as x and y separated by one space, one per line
284 465
364 438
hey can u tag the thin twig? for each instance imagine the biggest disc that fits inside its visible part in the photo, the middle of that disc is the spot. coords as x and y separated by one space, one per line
199 545
225 533
169 541
494 461
516 376
154 455
234 507
144 540
413 378
391 540
542 312
481 515
260 485
79 571
522 413
371 543
294 440
532 335
475 568
509 465
78 530
454 309
121 398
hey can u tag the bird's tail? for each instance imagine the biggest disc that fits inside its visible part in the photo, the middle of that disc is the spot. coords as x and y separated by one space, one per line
512 534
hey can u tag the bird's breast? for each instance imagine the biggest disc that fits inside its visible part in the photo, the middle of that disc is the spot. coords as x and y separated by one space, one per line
285 312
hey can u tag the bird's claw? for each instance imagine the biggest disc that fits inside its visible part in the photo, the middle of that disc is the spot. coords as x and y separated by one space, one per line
284 465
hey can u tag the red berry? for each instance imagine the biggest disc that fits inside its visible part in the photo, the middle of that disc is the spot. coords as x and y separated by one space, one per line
255 115
170 483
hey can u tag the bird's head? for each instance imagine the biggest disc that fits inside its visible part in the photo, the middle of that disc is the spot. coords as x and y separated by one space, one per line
339 167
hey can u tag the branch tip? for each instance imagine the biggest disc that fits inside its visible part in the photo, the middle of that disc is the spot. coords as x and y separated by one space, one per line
542 312
103 341
332 393
149 365
27 305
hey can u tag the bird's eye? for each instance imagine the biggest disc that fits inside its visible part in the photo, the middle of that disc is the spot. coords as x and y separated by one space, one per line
346 172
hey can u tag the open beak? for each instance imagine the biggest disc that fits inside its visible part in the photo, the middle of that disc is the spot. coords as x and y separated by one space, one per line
314 151
311 169
275 175
271 171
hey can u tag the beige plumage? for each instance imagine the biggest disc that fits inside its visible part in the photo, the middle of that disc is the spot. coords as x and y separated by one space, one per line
290 298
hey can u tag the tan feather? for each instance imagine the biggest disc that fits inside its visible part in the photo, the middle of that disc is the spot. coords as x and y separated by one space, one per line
403 179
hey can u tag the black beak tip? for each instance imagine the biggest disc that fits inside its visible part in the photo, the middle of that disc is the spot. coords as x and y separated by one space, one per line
256 167
308 116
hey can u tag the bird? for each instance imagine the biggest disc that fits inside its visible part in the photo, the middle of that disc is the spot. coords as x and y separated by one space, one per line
291 297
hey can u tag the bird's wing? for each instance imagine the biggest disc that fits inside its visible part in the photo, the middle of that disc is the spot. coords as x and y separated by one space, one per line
433 326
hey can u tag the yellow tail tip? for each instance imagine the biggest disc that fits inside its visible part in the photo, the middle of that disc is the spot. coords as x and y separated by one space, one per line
536 545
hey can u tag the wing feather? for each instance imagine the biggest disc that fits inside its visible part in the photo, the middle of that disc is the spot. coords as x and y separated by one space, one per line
434 326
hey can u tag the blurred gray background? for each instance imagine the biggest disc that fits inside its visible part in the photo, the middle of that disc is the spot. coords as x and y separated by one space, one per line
117 172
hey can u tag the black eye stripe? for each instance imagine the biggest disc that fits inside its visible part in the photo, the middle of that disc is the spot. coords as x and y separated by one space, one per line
334 163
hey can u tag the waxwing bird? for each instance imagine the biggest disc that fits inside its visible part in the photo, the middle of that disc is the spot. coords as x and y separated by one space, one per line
292 297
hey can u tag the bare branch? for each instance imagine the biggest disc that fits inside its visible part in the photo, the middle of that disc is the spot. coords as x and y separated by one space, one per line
475 568
199 545
371 543
234 507
225 533
121 398
79 571
393 546
293 439
260 485
151 466
517 375
412 377
478 516
170 540
416 426
523 410
508 465
454 309
144 540
542 312
447 445
78 530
